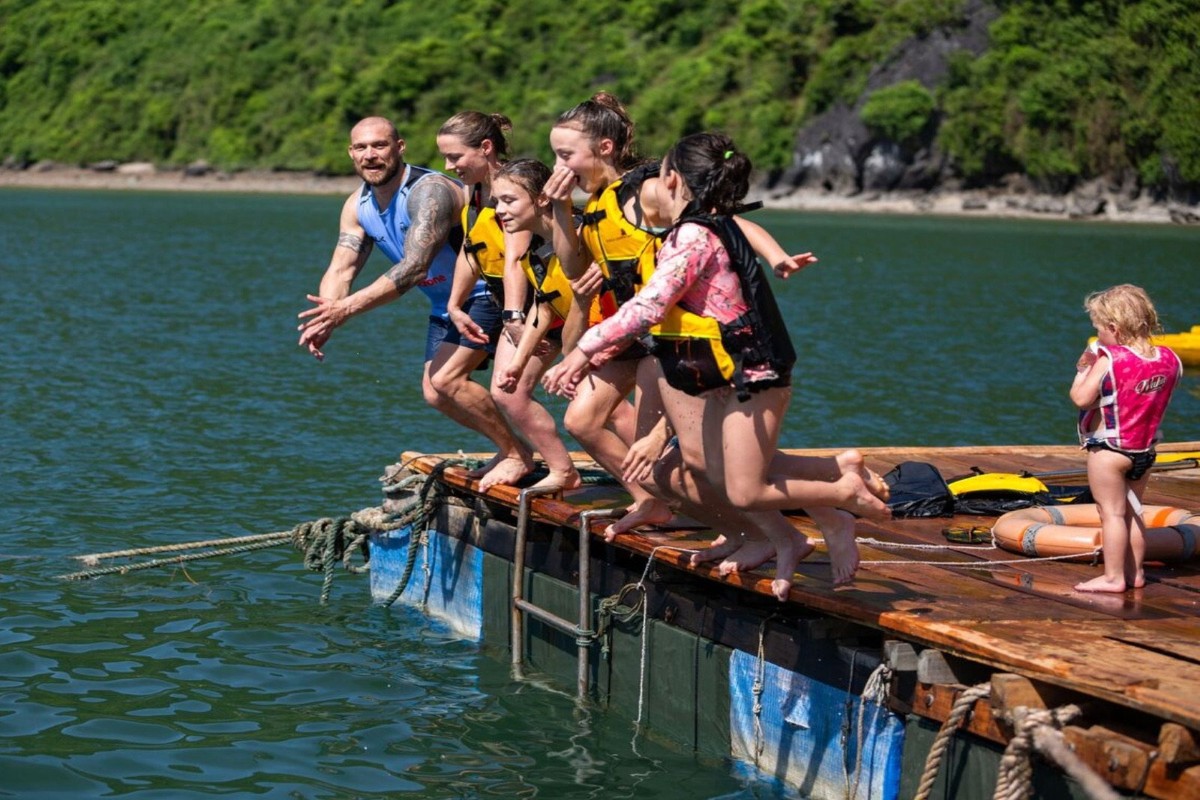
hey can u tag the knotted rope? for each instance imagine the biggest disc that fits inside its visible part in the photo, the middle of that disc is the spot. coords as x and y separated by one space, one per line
324 542
875 692
1041 730
417 514
958 712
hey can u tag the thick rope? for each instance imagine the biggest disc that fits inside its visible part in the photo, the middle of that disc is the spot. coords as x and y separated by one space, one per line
958 712
611 608
1041 730
418 513
166 562
1051 743
93 559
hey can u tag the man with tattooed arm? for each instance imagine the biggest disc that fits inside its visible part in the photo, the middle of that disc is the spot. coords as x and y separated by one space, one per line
413 215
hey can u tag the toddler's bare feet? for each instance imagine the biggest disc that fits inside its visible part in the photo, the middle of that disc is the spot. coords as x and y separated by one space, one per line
1101 584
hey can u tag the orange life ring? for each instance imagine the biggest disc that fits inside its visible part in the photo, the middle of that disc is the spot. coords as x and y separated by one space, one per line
1071 530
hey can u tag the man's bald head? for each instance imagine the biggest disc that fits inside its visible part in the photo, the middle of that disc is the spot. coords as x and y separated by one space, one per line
376 150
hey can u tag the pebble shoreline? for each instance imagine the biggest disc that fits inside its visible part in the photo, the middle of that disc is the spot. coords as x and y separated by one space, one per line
982 203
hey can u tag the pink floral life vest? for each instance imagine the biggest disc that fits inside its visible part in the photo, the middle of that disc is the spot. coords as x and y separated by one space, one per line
1134 393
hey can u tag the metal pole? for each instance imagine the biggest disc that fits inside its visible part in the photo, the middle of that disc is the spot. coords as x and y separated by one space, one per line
582 637
517 641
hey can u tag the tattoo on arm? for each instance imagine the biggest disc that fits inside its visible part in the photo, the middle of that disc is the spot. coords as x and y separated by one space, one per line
353 242
431 205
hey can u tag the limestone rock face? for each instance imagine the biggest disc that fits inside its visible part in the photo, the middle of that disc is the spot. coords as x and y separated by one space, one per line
836 151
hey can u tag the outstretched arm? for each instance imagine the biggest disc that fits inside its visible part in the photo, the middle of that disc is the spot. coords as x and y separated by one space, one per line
433 205
351 252
782 264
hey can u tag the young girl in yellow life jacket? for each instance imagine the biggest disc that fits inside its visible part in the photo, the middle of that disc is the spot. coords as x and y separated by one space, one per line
726 364
622 223
474 147
593 148
521 207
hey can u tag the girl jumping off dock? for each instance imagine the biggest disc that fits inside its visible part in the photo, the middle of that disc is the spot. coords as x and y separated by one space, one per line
726 363
1122 385
522 208
474 147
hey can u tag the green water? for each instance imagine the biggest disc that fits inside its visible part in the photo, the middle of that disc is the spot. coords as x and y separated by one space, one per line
152 393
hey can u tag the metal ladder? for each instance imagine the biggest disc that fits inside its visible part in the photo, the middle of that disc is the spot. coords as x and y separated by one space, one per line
581 630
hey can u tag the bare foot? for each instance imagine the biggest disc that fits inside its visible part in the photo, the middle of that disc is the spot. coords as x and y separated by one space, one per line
860 500
837 527
1101 584
852 461
754 552
479 472
722 546
506 472
788 554
650 511
560 480
1135 581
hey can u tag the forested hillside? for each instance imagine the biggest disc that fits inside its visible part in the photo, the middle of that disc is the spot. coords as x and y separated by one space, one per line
1063 90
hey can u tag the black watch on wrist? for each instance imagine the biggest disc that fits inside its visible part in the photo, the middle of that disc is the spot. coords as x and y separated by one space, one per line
512 316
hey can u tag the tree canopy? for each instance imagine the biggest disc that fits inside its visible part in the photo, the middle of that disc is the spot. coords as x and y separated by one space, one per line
1067 89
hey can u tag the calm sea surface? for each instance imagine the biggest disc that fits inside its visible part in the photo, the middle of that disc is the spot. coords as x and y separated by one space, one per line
151 392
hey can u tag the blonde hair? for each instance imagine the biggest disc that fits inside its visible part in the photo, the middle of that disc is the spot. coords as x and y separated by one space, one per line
1130 310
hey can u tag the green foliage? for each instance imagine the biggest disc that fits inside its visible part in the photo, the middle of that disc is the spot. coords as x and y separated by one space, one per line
1067 90
1072 90
899 112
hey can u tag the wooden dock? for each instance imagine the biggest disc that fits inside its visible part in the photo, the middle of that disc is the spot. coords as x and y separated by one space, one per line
1131 661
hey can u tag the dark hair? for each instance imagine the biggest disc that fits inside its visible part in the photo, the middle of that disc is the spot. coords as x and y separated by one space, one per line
716 174
528 173
603 117
475 126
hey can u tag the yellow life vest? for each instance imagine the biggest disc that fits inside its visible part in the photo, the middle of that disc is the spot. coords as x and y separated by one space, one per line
484 242
623 250
546 275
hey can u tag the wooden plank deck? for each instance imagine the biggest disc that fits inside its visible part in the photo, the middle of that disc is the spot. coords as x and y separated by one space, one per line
1140 650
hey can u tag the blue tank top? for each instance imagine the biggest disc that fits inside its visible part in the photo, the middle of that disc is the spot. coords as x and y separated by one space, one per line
387 228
